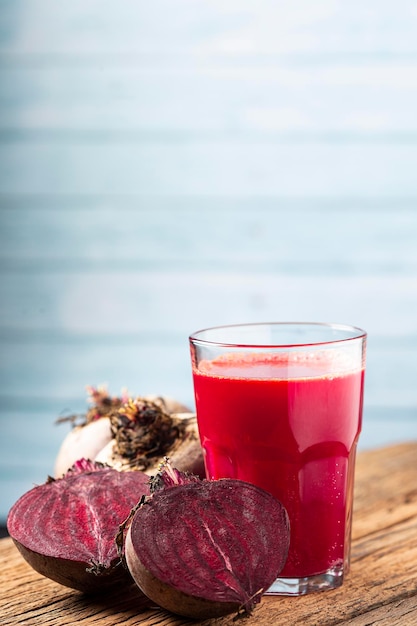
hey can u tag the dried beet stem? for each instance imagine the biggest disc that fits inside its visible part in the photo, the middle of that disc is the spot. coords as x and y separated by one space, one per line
143 430
127 450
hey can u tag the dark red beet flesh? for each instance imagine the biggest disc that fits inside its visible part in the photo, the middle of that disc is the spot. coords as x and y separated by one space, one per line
66 528
208 548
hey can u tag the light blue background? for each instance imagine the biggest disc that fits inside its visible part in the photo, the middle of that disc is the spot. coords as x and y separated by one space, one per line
176 164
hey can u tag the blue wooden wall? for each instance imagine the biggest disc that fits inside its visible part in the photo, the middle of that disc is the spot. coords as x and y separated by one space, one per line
176 164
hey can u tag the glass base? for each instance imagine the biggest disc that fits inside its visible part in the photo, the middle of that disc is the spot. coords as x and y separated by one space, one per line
331 579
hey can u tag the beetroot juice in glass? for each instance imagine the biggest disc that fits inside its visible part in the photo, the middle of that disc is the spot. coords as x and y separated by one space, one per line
280 405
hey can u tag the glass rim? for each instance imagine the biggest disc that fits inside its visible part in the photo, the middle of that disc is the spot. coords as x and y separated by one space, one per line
356 333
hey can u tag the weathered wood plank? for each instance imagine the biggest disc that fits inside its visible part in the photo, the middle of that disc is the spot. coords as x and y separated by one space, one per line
88 28
381 588
150 367
178 302
332 102
255 236
218 167
59 331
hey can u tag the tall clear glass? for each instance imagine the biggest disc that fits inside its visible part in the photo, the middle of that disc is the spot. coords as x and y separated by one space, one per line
280 405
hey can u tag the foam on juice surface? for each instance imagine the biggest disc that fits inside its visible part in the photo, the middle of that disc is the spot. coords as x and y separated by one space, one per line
292 365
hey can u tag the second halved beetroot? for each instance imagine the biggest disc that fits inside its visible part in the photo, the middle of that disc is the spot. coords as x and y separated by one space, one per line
207 548
66 528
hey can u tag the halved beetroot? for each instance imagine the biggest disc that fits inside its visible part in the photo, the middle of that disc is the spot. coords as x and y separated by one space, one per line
207 548
66 528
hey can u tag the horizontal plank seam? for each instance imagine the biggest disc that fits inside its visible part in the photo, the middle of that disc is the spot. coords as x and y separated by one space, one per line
304 203
174 59
133 136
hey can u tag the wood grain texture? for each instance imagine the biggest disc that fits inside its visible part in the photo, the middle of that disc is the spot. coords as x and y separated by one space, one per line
380 590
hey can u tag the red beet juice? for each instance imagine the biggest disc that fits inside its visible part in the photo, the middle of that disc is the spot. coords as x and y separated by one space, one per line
288 423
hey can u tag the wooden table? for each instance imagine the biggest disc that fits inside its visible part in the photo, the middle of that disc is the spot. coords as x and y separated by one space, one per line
380 590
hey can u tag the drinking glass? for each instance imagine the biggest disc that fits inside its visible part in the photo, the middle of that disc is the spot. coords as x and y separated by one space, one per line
280 405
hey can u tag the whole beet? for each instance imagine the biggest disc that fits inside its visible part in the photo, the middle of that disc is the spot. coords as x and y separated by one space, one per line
132 433
204 549
66 528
